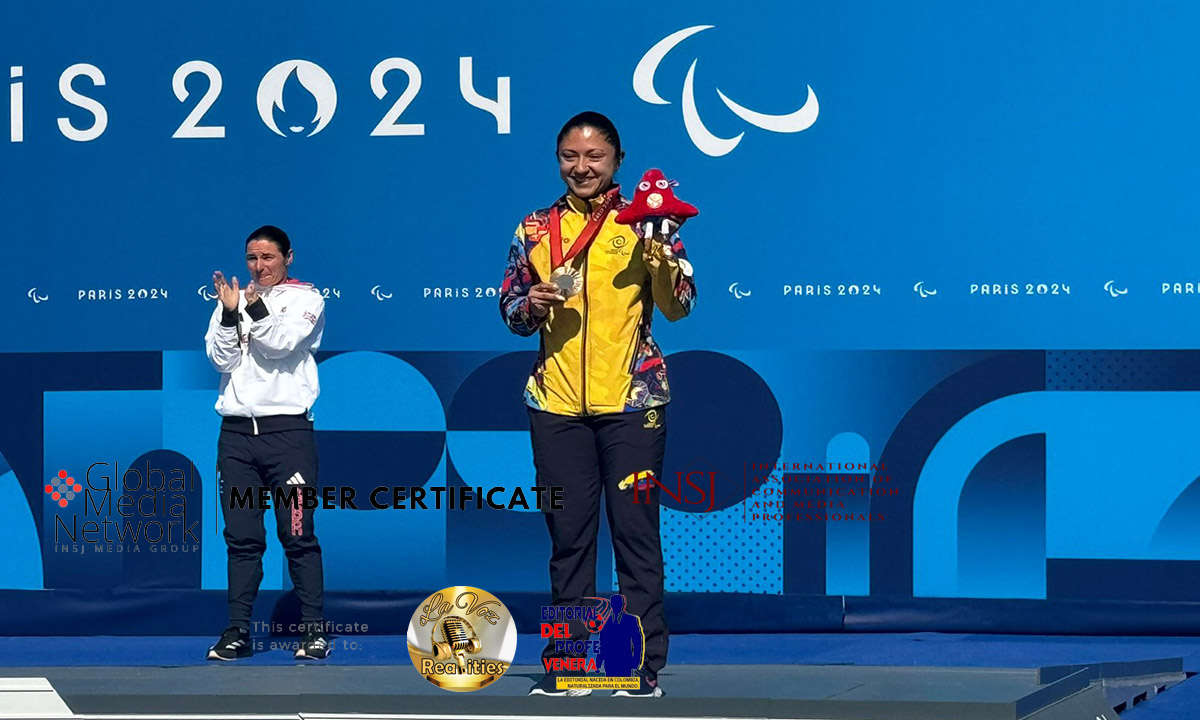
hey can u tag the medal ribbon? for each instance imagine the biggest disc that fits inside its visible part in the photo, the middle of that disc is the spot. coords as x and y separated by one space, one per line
590 231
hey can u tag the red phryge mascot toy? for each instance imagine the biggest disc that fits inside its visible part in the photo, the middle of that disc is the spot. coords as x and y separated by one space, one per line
655 199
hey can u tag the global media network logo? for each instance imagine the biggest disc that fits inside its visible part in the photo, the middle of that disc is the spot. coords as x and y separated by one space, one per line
146 508
63 488
611 657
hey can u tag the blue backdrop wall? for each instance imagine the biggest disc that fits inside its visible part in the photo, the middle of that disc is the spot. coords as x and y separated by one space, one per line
950 241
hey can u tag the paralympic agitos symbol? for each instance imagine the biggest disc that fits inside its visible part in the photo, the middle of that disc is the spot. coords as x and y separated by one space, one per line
708 143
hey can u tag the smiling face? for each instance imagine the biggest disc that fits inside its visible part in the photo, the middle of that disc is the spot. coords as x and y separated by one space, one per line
267 265
587 162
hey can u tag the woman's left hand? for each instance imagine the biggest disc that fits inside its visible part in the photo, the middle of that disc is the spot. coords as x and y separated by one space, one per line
659 230
251 292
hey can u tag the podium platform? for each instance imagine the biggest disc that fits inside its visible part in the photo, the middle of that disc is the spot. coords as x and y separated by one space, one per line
396 692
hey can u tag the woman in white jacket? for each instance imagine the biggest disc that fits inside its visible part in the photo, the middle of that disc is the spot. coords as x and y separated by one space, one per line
262 340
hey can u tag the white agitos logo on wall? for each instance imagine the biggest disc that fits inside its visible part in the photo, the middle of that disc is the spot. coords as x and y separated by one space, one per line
310 77
708 143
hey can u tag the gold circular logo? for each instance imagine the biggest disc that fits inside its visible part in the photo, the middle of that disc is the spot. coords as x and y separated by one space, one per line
462 638
619 241
654 200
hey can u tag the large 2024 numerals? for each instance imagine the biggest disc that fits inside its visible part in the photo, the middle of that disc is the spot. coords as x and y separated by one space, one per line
387 127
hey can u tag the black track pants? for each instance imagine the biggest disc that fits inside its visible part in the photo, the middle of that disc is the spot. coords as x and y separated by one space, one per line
586 456
284 459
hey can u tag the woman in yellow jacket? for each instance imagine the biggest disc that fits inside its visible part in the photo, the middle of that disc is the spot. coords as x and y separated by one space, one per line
597 395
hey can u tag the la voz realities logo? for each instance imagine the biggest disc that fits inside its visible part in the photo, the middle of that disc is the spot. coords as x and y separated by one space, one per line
150 509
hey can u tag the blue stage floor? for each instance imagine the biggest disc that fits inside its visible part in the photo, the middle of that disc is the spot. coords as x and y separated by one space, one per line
910 649
903 649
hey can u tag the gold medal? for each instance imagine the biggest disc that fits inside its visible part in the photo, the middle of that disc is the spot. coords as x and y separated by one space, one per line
568 280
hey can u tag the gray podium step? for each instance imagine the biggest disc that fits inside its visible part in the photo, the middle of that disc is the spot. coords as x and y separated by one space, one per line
809 692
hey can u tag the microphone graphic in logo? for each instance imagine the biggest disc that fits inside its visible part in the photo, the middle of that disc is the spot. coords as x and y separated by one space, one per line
460 639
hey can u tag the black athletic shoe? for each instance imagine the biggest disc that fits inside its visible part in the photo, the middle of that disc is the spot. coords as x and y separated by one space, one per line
234 644
647 688
548 685
314 646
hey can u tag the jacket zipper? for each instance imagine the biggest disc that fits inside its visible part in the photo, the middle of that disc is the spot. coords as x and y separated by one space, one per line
245 352
583 346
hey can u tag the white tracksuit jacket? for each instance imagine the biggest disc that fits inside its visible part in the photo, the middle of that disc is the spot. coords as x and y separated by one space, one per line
266 360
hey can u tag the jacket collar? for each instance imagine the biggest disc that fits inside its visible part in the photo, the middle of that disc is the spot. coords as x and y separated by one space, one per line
575 204
290 282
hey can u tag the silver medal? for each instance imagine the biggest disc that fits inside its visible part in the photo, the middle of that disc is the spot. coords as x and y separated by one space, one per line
569 281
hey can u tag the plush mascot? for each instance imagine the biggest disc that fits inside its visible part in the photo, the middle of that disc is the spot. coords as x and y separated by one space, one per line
654 199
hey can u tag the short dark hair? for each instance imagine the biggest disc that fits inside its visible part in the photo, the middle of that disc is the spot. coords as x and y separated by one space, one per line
275 235
592 119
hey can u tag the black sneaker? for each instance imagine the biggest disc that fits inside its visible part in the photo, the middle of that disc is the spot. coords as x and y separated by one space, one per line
647 688
234 643
314 646
548 685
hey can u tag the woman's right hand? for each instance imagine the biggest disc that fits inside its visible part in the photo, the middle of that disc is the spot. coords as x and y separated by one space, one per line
544 296
226 293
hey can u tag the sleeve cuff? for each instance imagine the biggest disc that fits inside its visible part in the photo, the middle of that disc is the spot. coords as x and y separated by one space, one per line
257 310
229 318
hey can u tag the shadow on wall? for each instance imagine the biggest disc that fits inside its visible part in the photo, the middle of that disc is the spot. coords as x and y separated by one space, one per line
18 535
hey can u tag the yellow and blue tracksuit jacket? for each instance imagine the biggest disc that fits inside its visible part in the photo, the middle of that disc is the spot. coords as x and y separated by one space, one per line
597 355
